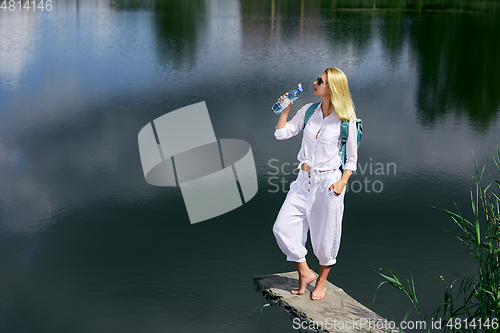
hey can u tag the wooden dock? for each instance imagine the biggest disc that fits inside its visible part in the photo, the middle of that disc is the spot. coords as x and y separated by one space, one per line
337 312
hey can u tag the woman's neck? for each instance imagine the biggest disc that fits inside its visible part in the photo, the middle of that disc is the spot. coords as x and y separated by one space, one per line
327 107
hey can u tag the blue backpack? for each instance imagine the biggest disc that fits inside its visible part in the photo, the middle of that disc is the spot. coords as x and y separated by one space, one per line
344 129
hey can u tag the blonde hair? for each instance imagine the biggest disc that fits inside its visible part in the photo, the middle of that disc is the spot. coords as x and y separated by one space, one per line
340 94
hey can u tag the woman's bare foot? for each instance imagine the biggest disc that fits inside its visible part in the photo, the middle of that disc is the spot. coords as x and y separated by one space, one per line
303 282
319 290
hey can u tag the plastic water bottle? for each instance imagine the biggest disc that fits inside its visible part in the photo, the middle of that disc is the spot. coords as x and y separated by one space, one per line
283 104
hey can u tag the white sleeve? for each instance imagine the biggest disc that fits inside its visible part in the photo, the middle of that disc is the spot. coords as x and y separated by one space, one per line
351 149
294 126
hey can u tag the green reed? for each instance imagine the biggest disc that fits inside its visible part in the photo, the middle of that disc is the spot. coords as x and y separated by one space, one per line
476 298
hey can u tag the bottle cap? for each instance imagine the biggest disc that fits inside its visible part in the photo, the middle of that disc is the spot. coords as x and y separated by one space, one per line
300 87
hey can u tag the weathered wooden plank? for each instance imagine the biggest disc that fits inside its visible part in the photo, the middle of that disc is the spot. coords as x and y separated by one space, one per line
337 312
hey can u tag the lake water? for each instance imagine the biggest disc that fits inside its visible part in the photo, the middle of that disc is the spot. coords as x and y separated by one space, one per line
86 245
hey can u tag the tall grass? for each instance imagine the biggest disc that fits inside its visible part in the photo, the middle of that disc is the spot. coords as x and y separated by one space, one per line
476 298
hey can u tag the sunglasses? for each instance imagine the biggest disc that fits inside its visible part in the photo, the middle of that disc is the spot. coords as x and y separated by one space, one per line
320 81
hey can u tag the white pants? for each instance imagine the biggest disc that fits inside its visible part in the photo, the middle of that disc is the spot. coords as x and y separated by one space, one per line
309 206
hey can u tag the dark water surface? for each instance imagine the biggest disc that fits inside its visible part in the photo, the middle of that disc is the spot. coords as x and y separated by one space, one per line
86 245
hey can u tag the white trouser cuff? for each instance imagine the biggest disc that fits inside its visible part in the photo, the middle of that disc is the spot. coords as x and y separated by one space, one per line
329 262
294 259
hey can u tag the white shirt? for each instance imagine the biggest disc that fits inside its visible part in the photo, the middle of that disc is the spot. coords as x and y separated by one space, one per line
321 151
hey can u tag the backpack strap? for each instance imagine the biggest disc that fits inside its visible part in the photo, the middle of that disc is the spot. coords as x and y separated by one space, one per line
359 126
309 113
344 133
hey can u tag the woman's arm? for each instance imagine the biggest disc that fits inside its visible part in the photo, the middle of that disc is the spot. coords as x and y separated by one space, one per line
283 117
351 151
286 129
351 147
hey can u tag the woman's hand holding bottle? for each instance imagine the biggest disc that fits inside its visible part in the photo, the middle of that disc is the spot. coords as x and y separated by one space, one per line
287 99
283 114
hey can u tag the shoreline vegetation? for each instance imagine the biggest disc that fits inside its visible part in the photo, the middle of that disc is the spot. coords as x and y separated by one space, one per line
470 304
411 11
448 6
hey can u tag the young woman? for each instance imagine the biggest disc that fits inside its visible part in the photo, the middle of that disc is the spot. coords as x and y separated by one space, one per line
315 202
